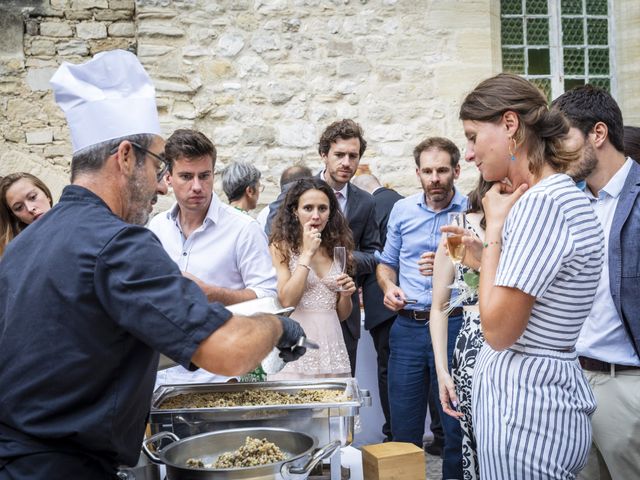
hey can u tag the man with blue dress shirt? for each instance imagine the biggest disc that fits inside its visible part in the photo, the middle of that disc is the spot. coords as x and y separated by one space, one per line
609 342
404 273
88 296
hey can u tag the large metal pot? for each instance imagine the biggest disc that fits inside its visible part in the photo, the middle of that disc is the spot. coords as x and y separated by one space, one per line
143 470
209 446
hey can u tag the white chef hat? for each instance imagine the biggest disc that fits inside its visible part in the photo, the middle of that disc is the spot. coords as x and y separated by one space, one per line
108 97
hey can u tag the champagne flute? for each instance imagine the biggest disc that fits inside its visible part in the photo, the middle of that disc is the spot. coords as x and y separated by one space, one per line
454 243
339 262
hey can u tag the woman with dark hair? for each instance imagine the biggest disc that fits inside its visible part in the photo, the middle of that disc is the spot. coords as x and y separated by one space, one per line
455 388
23 199
540 267
307 228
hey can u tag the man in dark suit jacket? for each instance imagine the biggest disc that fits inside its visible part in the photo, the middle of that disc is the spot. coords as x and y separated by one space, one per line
378 319
609 342
341 146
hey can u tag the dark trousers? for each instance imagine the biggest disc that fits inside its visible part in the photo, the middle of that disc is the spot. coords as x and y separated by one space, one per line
380 336
351 343
54 466
412 374
436 425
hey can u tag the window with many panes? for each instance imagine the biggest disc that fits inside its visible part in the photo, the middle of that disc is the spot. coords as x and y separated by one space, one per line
557 44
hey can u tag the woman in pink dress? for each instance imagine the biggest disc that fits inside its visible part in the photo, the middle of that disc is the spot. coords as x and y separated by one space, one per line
307 228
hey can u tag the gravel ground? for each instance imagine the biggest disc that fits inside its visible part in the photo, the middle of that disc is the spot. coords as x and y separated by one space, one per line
434 467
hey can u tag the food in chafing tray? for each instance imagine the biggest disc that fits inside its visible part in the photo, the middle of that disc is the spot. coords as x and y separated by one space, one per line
254 452
252 397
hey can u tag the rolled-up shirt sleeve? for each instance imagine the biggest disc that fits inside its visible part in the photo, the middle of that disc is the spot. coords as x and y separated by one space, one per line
254 261
144 292
391 252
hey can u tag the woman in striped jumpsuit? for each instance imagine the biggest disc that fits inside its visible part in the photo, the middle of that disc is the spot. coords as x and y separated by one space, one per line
540 265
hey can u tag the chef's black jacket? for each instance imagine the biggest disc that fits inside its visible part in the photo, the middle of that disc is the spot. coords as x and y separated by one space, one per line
86 301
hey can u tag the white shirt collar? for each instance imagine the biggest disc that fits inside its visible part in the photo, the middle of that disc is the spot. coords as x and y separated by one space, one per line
343 190
213 213
614 186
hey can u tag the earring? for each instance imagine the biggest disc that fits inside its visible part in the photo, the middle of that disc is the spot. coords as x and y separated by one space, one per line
512 152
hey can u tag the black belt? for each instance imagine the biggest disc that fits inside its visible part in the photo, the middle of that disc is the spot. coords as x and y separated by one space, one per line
594 365
423 315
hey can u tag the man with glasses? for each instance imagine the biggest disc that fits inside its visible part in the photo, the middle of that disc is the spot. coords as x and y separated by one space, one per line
222 249
161 167
161 164
88 296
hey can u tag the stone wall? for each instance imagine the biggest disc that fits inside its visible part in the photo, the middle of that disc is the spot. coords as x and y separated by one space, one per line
626 32
37 36
263 78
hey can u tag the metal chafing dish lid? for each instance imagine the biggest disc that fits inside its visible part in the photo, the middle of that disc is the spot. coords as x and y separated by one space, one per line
348 386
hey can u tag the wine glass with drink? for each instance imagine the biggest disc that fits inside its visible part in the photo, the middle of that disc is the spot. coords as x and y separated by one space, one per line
455 246
339 262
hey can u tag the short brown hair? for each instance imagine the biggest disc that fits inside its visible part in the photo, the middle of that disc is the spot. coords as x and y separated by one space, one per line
343 129
190 144
440 143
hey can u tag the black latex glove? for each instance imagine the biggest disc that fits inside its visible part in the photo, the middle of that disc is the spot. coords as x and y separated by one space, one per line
291 333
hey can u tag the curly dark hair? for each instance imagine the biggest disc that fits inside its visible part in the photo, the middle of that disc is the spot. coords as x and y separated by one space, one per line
286 233
343 129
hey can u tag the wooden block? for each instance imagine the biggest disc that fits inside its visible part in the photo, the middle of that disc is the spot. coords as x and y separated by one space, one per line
393 461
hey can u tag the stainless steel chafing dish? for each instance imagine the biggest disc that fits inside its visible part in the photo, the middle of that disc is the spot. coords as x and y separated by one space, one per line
324 421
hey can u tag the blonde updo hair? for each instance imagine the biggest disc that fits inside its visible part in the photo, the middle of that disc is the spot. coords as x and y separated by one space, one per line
540 131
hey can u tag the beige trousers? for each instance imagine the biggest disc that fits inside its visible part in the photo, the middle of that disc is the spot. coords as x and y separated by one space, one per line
615 450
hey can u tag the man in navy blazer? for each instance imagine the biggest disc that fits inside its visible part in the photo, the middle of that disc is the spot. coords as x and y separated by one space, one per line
609 342
341 146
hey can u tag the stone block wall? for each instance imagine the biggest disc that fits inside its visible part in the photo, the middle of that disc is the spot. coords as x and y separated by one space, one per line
263 78
37 36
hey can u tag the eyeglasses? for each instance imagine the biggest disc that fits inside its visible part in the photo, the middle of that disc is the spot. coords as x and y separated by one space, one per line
161 169
260 187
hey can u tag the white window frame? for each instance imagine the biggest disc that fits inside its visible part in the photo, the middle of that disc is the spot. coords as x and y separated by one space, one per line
556 54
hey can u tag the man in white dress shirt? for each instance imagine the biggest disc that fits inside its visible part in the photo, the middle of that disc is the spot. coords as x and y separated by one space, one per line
609 342
219 247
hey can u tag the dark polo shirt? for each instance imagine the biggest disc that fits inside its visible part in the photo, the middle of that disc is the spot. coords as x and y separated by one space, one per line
86 302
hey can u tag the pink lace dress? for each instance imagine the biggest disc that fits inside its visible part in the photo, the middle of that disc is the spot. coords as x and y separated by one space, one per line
317 314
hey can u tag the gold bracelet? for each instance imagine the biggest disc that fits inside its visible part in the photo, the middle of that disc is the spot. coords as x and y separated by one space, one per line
488 244
305 266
